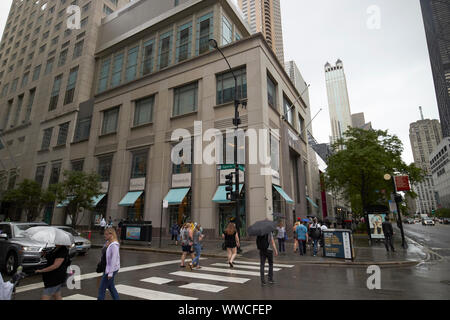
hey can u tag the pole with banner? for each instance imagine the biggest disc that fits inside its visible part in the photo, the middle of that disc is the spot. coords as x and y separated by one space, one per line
164 205
399 183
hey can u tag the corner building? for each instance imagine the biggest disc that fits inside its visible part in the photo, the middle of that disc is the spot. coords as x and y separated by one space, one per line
155 73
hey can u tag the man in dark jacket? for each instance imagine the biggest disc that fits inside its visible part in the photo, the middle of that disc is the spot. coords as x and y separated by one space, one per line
388 234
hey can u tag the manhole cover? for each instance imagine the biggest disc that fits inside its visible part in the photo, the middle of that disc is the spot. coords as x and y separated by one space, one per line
177 283
447 282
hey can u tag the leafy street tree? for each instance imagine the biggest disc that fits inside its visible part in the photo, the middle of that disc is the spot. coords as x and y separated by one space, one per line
443 213
77 191
357 170
30 197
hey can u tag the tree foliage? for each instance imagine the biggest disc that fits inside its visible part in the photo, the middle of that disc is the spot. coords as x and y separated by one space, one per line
443 213
30 197
361 160
77 191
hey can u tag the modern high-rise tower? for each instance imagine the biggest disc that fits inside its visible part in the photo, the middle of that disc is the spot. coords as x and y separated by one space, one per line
265 16
436 18
338 102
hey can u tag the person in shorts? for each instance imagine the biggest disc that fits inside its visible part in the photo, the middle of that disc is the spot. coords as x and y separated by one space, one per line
55 274
187 238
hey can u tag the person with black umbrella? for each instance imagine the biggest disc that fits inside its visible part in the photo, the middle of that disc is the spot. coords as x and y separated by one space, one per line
264 240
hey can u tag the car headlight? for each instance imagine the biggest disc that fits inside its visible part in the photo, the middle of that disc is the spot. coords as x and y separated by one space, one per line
73 245
88 243
32 249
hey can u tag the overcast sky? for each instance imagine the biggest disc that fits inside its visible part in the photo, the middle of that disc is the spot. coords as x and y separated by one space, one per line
388 69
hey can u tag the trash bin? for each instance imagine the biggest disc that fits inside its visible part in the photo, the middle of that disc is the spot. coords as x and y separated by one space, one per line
137 231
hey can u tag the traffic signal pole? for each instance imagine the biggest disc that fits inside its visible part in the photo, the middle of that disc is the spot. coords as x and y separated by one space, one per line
398 200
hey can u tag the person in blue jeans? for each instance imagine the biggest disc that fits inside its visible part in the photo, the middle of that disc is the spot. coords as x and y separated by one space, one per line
112 265
315 232
302 237
198 237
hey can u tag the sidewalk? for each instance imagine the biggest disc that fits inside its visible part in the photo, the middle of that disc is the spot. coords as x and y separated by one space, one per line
365 255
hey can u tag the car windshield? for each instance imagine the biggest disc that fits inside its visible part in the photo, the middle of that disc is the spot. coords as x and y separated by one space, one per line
69 230
19 229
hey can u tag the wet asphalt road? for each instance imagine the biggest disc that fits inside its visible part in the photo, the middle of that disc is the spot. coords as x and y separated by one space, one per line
428 280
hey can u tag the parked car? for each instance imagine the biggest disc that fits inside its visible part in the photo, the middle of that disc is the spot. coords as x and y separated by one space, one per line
416 220
427 222
82 245
17 249
446 220
409 221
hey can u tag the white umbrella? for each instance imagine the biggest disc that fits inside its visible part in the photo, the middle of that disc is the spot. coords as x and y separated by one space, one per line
50 235
6 289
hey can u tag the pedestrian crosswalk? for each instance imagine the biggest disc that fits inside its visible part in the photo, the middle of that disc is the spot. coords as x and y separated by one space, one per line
212 278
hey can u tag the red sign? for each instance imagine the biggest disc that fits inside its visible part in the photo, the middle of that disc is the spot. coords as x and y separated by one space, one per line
402 183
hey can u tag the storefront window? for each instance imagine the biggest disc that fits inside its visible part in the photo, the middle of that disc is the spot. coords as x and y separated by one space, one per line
136 212
181 213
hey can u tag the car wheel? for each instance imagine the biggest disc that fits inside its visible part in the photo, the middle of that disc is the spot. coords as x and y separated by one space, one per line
82 253
11 263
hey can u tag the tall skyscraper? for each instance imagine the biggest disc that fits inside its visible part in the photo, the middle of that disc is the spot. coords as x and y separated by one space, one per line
359 121
436 18
265 16
338 102
425 135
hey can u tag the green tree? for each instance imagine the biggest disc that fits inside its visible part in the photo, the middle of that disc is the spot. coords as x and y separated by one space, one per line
361 160
76 192
30 197
443 213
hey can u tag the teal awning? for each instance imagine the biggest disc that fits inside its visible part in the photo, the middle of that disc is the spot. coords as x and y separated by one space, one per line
283 194
96 200
130 198
312 202
65 203
221 194
176 196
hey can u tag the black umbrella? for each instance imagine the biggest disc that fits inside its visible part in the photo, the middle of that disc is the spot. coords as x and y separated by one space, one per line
262 228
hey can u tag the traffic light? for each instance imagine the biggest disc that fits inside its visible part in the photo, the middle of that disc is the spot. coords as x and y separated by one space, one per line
229 187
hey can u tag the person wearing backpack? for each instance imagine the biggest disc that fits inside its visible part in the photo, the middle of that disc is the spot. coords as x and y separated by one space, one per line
263 244
54 275
315 232
186 236
302 237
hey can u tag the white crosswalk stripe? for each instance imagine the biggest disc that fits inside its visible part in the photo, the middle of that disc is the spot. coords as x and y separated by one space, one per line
203 287
206 276
150 294
257 264
157 280
243 266
79 297
231 271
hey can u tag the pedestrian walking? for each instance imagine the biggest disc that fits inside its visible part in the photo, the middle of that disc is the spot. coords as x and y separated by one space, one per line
267 248
281 237
112 265
315 232
102 225
231 242
186 235
119 230
294 229
388 234
54 275
198 237
302 237
174 231
110 222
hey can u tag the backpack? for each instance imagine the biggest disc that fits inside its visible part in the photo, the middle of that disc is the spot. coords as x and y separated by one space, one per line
262 242
315 232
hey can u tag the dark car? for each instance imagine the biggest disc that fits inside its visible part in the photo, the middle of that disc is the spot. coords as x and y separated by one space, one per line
17 249
446 220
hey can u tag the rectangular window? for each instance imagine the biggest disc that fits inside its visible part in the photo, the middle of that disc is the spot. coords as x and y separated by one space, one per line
40 174
18 109
104 74
49 66
62 57
301 125
275 153
226 86
83 129
117 70
227 31
78 50
55 93
147 59
104 168
143 111
110 120
271 93
36 73
165 47
12 179
139 169
14 85
132 58
62 135
46 139
25 79
205 32
5 89
184 42
54 175
71 84
78 165
288 110
8 114
30 105
185 99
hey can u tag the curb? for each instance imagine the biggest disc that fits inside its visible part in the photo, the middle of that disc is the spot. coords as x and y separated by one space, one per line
387 264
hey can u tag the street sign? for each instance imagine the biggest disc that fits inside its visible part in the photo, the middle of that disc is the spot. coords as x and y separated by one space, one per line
402 183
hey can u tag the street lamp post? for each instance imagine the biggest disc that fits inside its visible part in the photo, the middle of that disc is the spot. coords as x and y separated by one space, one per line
398 199
236 122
